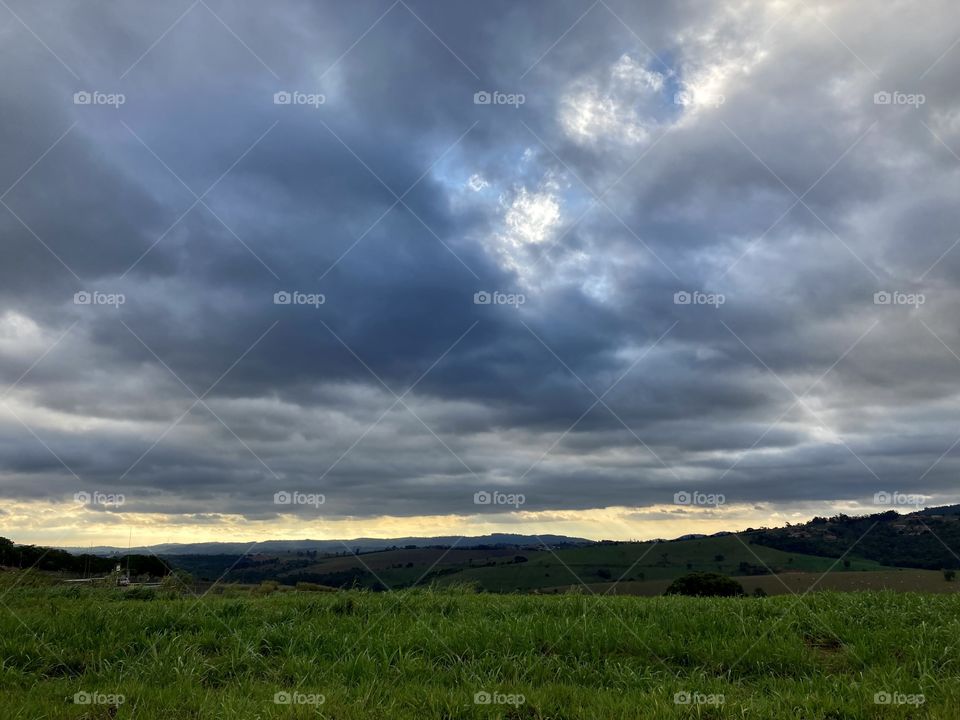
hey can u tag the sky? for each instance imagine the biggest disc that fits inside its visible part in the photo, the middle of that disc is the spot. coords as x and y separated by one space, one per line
613 270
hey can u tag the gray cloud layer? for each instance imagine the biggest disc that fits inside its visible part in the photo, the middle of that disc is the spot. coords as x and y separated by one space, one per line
776 181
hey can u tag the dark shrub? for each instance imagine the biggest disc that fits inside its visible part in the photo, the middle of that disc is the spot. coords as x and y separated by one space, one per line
705 585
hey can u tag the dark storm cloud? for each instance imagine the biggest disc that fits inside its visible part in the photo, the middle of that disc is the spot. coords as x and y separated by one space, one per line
794 196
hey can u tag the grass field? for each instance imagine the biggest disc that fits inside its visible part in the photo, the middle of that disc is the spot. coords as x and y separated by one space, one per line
427 654
900 580
645 561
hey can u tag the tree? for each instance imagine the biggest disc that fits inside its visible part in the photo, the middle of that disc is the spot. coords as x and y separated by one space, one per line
7 552
702 584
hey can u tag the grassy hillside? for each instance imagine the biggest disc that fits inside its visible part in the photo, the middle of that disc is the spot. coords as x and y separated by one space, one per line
646 561
427 654
506 569
900 580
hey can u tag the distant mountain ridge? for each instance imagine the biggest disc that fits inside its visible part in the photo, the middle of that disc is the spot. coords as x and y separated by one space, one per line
928 539
337 546
925 540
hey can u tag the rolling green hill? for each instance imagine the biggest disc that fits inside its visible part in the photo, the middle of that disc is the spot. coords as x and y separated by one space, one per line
609 562
507 569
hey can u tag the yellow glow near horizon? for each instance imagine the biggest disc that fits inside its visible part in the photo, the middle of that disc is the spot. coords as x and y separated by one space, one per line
72 526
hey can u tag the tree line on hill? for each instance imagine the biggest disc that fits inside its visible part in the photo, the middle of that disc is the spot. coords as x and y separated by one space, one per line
54 560
927 540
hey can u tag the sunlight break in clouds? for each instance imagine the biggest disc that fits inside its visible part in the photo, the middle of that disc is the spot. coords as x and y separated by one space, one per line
606 109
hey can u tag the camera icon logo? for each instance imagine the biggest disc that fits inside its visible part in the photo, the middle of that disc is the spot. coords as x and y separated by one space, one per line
281 298
882 298
882 698
682 698
82 698
681 298
882 498
482 98
282 498
282 98
482 498
482 298
482 698
882 98
82 298
282 698
82 497
82 98
682 498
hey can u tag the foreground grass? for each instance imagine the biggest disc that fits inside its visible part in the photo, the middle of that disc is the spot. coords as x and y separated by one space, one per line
424 654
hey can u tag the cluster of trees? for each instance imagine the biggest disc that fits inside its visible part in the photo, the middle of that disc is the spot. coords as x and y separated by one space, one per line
893 539
53 560
701 584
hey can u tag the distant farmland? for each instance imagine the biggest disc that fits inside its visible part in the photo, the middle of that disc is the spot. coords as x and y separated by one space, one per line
509 569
